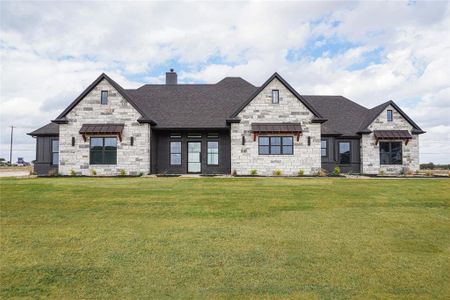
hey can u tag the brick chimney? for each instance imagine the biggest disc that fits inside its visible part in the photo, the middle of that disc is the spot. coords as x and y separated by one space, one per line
171 77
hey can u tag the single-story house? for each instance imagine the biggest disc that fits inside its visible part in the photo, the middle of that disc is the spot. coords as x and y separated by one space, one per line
230 127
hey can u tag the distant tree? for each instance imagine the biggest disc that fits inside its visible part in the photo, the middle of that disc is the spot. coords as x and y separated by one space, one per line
2 159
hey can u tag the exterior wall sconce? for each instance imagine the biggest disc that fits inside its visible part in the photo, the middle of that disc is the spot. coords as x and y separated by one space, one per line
243 140
309 141
132 141
73 141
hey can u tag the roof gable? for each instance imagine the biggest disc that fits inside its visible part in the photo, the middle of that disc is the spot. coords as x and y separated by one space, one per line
51 129
377 110
62 117
316 114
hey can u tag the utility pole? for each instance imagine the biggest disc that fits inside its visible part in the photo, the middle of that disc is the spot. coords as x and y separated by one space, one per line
10 146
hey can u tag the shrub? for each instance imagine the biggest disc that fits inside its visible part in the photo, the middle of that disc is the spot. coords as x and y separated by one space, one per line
93 172
337 171
321 173
301 172
381 173
122 172
409 172
72 173
277 172
32 172
52 172
417 172
402 172
429 173
141 174
253 172
234 173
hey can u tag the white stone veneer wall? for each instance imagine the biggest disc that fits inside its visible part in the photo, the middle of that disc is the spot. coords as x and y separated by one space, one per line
370 152
245 158
133 159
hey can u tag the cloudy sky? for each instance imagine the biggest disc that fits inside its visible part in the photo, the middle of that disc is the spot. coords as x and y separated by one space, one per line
370 52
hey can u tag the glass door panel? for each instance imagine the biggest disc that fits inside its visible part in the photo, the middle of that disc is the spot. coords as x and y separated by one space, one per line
194 157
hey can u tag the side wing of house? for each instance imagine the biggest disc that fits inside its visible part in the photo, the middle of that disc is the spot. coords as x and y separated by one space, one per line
390 142
275 130
100 133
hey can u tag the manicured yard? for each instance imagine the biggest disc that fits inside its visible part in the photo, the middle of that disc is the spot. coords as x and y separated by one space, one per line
128 238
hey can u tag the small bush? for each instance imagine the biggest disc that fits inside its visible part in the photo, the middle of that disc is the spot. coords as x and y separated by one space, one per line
32 173
429 173
93 172
409 172
337 171
417 172
277 172
234 173
301 172
253 172
72 173
52 172
321 173
381 173
141 174
402 172
122 172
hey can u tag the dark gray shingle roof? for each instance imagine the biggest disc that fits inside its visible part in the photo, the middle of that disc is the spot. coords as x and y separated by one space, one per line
343 115
192 105
51 129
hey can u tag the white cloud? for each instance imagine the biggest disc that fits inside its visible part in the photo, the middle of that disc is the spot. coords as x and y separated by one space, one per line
49 52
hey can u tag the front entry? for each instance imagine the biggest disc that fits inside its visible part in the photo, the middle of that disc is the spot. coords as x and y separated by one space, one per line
194 157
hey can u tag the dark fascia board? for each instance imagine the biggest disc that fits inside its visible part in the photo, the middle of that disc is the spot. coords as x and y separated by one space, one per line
416 131
91 87
184 129
229 121
318 120
331 134
42 134
61 121
149 121
287 85
402 113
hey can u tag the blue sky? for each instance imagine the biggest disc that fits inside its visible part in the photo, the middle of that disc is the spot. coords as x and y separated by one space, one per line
370 52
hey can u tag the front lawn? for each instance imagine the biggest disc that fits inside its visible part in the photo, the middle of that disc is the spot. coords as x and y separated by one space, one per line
129 238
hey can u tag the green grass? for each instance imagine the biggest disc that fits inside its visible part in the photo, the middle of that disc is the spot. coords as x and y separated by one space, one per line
134 238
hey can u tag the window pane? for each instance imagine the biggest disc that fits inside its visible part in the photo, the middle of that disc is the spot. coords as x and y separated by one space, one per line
213 147
275 96
275 140
287 141
275 149
263 149
323 152
55 158
344 153
175 159
104 97
175 147
110 143
110 157
96 157
384 147
287 150
264 141
389 115
55 145
213 159
323 144
396 153
96 143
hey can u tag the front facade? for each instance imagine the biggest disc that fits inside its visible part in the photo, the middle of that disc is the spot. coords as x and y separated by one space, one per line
230 127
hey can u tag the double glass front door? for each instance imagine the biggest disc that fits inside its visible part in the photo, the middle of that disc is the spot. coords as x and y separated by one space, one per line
194 157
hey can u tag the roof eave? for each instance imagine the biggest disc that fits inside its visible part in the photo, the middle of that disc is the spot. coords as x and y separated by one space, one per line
60 120
318 120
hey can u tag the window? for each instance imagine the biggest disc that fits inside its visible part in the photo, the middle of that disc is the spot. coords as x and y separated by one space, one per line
213 153
324 147
344 152
194 135
390 117
104 97
275 96
103 151
390 153
55 152
175 153
275 145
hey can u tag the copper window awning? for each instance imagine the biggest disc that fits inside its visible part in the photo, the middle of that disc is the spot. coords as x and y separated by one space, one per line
102 129
392 135
294 128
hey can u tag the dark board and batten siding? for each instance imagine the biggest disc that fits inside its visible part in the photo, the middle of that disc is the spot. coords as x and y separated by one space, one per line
43 163
161 152
331 161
